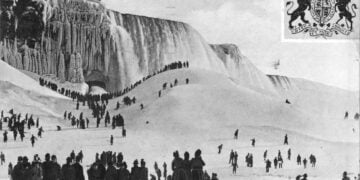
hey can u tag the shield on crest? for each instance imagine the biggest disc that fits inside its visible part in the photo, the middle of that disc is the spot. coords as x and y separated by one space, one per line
322 10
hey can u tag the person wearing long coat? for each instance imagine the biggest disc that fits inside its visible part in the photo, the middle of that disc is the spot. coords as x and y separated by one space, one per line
36 171
197 165
111 173
123 173
79 172
67 170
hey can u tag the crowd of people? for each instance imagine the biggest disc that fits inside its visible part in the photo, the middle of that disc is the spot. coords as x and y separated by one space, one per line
108 166
74 95
277 162
17 125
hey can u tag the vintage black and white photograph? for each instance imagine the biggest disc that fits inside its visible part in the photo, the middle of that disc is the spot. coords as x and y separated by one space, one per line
179 89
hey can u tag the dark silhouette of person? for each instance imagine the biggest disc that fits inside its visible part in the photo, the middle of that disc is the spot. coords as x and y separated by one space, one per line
231 157
304 162
236 134
135 171
219 148
197 165
289 154
345 177
268 165
67 170
253 142
79 172
298 159
123 173
286 140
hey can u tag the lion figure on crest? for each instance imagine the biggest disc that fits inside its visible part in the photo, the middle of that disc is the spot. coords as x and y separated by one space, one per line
303 5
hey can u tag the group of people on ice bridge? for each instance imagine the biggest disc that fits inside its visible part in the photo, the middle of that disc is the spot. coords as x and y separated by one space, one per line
107 166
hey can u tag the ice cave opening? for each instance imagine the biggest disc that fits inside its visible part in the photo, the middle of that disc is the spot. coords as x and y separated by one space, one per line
96 78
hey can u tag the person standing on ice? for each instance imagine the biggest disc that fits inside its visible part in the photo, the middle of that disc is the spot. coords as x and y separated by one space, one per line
304 162
236 134
135 171
197 165
111 172
346 115
32 139
2 158
123 132
123 173
87 123
17 172
280 162
55 168
165 170
253 142
298 160
231 157
234 166
268 165
312 160
235 157
177 167
5 136
187 81
40 131
98 119
65 115
67 170
77 105
219 148
160 93
345 177
37 122
265 155
289 154
275 162
286 140
111 140
79 172
15 134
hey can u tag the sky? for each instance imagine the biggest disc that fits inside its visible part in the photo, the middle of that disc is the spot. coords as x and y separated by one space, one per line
256 27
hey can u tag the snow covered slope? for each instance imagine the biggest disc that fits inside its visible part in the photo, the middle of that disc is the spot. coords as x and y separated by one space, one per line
204 114
10 74
316 98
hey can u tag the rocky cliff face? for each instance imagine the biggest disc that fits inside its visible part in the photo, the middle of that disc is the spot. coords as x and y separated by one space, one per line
82 41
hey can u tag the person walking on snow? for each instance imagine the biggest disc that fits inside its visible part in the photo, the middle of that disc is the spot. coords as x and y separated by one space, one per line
268 165
304 162
275 162
111 140
5 136
220 147
40 131
289 154
253 142
265 155
286 140
32 139
236 134
298 160
234 166
231 157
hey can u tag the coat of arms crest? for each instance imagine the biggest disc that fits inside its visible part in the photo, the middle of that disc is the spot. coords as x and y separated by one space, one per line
321 18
